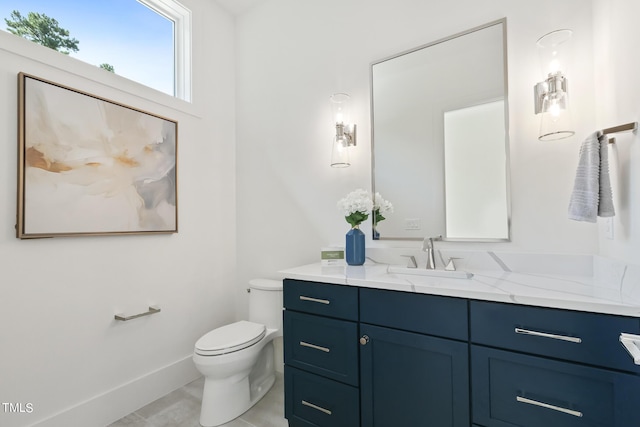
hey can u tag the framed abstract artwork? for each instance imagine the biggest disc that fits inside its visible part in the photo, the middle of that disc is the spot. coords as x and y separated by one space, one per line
89 166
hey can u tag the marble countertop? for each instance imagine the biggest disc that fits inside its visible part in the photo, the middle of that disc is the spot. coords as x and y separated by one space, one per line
566 291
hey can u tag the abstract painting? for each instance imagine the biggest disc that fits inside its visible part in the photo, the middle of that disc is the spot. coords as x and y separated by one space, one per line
90 166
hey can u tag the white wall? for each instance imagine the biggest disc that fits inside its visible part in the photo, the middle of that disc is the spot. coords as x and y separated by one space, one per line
60 347
292 55
616 35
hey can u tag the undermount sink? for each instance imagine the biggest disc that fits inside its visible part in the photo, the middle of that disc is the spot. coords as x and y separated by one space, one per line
456 274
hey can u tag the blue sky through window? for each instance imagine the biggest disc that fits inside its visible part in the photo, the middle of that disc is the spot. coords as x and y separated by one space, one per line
136 40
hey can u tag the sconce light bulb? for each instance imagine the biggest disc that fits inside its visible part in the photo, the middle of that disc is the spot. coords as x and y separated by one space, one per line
554 109
554 66
343 141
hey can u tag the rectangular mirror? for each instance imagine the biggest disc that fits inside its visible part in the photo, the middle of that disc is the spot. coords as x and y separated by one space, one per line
440 148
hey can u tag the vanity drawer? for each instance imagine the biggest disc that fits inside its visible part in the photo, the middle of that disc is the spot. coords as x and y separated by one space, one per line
425 314
512 389
321 298
571 335
311 400
324 346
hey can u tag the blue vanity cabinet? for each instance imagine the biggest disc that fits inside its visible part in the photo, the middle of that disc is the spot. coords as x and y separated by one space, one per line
324 299
407 377
514 389
322 346
312 400
589 338
365 357
374 358
321 354
535 366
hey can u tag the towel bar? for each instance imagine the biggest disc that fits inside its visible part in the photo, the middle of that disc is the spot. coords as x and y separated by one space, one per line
152 310
633 126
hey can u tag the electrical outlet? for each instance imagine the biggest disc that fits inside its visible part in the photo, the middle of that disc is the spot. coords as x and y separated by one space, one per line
412 224
608 229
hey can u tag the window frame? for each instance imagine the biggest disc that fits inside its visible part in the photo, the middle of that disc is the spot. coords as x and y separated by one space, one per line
181 17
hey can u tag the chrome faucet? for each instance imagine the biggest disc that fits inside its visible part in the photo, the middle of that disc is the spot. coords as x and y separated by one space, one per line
427 246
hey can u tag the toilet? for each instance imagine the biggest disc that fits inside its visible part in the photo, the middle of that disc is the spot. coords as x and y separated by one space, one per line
237 360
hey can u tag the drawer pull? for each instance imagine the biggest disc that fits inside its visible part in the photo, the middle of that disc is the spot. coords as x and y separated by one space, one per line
546 335
319 301
316 407
630 343
546 405
315 347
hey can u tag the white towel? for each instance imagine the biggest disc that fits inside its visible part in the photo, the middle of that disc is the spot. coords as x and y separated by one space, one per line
592 187
605 201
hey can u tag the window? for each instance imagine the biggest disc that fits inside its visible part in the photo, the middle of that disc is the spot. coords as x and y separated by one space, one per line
148 41
181 18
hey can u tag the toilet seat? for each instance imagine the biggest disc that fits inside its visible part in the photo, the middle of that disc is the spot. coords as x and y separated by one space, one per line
230 338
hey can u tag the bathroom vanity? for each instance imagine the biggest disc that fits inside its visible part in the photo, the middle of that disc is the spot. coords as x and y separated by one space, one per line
367 348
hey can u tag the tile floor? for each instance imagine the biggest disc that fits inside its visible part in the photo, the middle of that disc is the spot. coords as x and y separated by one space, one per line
181 408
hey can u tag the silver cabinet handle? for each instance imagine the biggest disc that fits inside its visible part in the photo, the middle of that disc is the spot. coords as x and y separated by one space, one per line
320 301
315 347
316 407
631 344
546 405
546 335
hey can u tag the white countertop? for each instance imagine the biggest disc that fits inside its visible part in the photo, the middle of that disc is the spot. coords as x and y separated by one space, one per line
572 292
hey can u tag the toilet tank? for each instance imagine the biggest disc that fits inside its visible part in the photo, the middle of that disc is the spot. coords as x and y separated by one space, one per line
265 302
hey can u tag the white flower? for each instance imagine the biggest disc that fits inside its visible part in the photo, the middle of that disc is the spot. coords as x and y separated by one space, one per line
356 206
357 201
381 205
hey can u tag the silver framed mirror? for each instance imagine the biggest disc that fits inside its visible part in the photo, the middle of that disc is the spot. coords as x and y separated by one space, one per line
440 140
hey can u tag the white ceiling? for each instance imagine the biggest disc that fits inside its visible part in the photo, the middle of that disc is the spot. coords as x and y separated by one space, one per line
238 7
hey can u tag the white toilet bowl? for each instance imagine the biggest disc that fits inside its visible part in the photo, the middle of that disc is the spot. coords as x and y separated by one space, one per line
237 360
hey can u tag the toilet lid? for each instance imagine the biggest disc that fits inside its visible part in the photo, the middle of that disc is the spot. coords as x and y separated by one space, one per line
266 284
230 338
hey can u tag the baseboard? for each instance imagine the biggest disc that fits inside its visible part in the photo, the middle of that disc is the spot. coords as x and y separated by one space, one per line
106 408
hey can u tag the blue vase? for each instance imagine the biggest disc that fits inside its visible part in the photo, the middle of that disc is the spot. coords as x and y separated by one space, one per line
354 247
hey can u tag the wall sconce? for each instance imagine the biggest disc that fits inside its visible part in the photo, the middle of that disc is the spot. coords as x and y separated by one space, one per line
551 95
345 134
